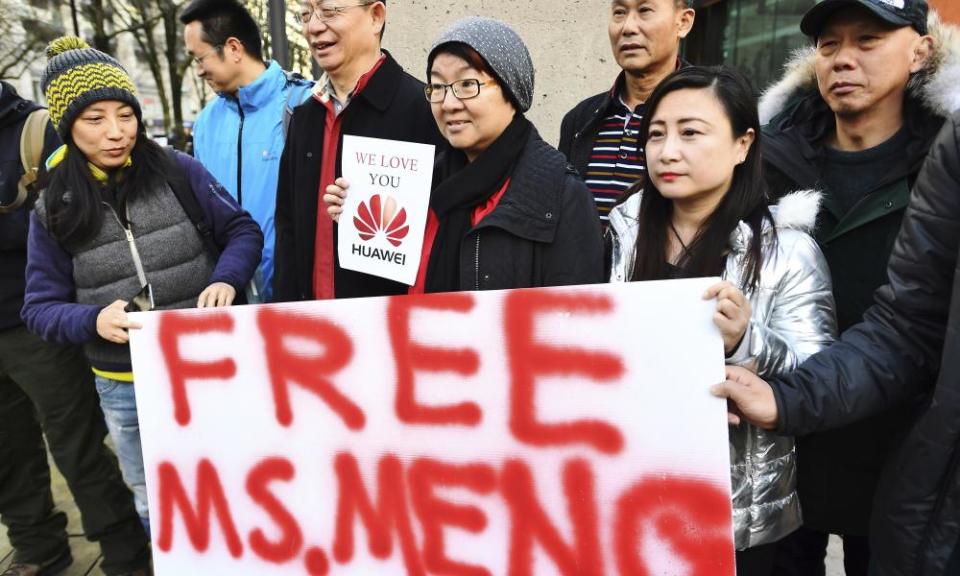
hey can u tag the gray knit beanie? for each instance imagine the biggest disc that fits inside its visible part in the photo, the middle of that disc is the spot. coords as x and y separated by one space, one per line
501 48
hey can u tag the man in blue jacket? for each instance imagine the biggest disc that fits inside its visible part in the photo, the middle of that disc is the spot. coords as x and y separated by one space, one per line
239 136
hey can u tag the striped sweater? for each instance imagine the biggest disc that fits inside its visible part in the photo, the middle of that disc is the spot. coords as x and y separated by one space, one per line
617 160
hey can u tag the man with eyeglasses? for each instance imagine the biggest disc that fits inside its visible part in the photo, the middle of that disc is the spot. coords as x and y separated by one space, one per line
239 135
599 136
363 92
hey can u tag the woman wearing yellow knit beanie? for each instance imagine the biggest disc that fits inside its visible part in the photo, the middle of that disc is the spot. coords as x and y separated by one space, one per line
77 76
118 219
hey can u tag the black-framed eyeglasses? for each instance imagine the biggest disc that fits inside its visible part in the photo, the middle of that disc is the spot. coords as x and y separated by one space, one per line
325 12
436 92
198 60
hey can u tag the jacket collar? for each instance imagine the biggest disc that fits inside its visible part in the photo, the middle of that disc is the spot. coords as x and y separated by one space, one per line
263 90
13 108
797 120
382 86
936 90
613 97
608 100
795 211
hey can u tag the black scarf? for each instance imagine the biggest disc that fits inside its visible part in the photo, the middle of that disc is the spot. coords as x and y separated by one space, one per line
463 186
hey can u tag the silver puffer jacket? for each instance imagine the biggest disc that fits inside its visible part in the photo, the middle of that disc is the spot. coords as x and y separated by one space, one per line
793 317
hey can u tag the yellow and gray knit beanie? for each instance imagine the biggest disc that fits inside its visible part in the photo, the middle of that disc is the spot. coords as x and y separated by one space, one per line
77 76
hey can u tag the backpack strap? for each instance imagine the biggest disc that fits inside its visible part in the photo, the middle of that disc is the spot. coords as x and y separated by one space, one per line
31 142
188 201
298 85
31 155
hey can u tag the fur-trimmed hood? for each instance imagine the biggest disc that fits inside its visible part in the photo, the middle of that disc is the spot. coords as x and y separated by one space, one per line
796 211
937 87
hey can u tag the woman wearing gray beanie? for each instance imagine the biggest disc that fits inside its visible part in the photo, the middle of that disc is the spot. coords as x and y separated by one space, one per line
505 211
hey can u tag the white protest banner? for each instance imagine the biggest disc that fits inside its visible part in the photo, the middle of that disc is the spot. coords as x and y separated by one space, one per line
384 216
550 431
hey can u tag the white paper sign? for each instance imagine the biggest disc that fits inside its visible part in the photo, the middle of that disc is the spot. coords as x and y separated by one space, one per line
561 431
382 225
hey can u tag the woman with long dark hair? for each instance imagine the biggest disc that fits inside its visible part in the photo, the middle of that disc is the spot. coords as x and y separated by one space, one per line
703 211
505 211
116 223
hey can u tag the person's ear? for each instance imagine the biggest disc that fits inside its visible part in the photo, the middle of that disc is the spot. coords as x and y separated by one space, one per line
744 143
922 50
685 20
379 13
233 49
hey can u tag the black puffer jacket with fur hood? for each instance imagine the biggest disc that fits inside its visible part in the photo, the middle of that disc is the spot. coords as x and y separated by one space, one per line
838 470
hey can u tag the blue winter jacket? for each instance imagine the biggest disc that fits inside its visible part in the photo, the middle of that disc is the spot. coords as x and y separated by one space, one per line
239 139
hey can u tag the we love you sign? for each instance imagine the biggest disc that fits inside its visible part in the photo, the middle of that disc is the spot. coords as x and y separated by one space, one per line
385 213
550 431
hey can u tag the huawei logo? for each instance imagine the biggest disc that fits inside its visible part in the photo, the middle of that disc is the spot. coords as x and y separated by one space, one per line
381 215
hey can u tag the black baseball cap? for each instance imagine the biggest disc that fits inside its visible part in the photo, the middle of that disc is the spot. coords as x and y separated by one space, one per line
911 13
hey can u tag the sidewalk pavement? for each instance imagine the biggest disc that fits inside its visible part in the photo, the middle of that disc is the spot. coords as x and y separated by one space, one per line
86 556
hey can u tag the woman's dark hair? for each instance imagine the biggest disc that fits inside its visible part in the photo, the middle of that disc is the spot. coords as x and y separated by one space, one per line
747 199
463 52
74 199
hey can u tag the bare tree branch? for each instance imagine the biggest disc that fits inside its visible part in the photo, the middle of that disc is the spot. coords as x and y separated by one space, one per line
22 37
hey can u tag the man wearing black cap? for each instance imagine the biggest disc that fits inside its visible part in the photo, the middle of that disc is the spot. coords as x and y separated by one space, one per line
855 118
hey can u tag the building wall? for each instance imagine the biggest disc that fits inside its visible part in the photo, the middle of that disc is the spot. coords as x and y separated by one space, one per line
948 9
567 40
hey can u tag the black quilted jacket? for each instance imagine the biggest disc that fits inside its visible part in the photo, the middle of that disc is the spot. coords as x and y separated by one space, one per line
544 231
907 342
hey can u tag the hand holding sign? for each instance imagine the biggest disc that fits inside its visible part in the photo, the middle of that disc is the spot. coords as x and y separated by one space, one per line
382 220
334 196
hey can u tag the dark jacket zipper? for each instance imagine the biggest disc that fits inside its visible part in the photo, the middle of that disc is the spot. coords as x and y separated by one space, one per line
476 261
240 157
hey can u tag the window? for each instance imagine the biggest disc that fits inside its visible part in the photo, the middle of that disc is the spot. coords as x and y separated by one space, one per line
756 36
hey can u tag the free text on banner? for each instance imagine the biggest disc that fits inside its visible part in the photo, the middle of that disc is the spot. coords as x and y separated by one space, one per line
549 431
